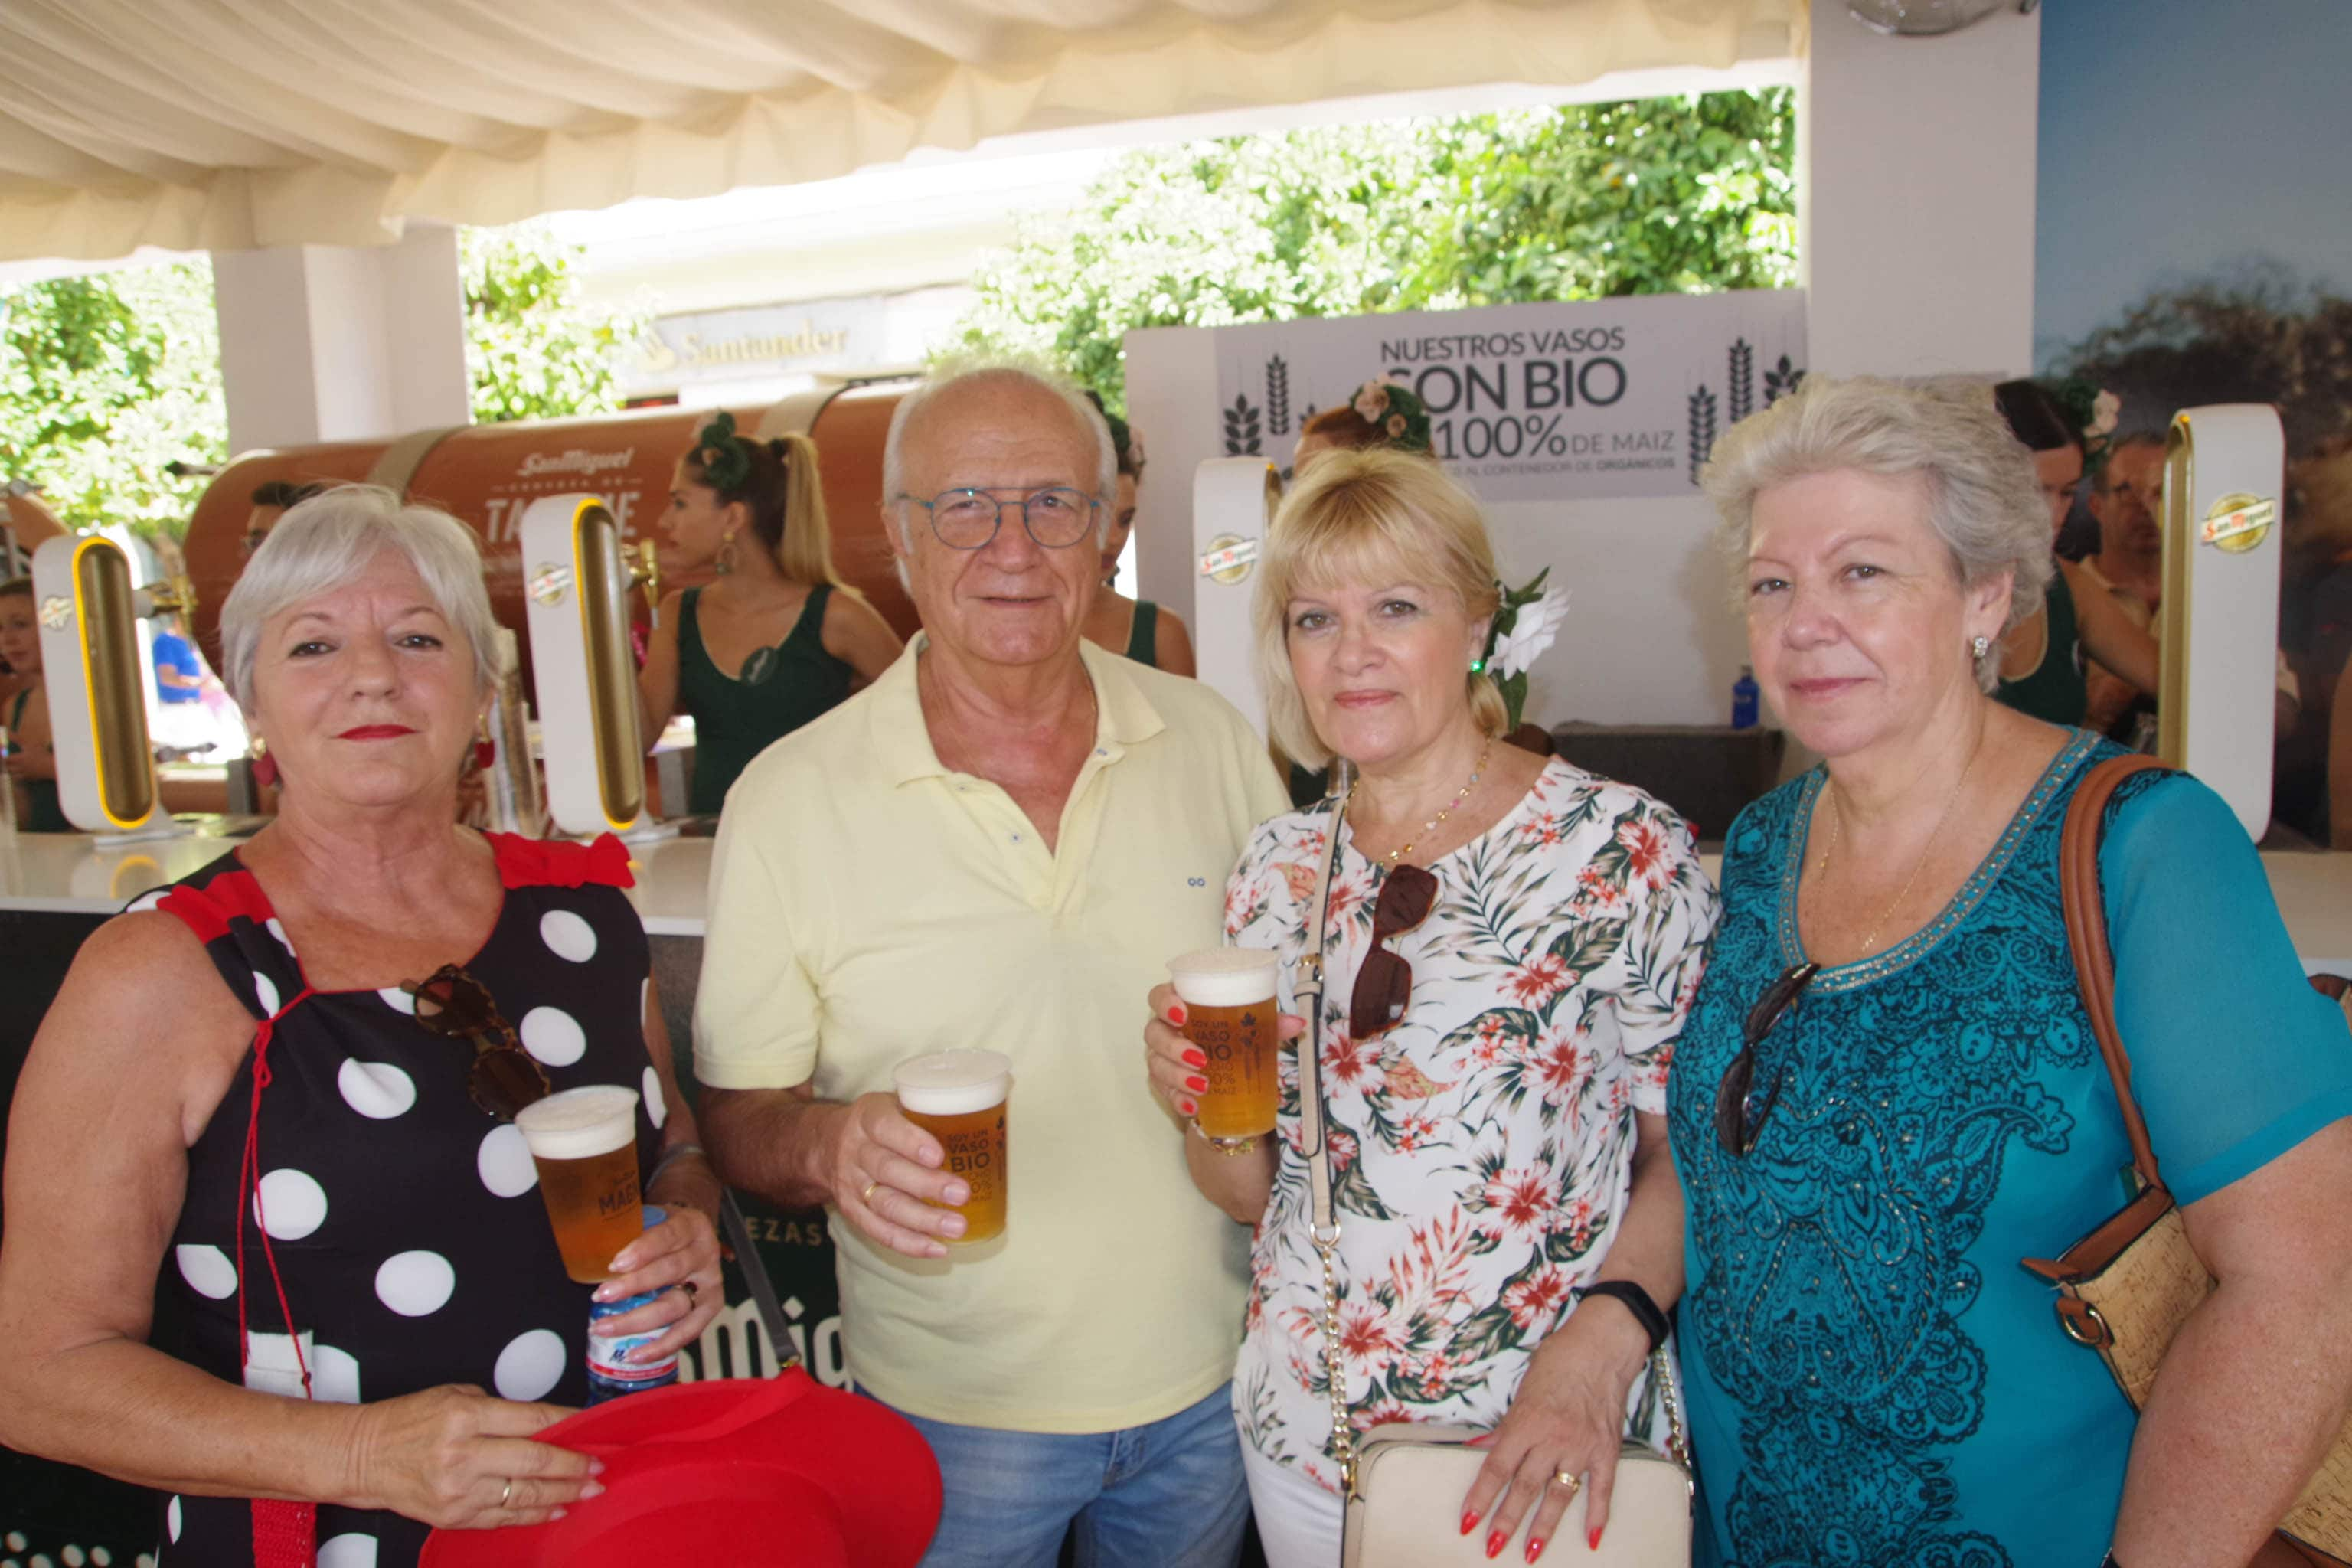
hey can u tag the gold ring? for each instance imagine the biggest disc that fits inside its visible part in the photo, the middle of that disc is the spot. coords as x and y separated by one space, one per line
1574 1484
506 1491
692 1294
867 1197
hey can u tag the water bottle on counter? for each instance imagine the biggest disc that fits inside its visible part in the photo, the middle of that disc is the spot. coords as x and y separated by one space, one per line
1745 695
609 1376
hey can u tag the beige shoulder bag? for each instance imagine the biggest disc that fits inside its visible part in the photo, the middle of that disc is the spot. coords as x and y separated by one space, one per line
2124 1290
1406 1481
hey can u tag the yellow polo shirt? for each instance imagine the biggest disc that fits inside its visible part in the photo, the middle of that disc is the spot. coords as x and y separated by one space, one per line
869 905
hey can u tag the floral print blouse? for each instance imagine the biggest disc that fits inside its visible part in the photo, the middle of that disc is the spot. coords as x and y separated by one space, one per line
1482 1148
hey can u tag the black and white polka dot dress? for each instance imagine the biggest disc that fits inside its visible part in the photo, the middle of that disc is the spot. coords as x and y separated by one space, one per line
406 1223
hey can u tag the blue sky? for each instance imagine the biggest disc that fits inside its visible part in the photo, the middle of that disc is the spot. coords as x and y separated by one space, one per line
2178 137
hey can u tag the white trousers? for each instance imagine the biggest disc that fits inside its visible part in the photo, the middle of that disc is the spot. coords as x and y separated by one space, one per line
1297 1521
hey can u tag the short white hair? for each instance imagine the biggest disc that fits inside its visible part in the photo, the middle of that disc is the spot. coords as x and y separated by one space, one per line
324 543
960 372
1983 499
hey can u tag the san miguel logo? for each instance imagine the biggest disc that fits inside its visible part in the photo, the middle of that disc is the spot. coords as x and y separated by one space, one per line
575 461
550 582
2237 522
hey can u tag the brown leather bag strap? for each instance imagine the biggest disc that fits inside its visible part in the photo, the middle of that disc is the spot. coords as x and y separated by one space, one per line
2087 936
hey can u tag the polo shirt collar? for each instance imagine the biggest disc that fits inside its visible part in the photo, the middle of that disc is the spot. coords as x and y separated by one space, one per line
1123 715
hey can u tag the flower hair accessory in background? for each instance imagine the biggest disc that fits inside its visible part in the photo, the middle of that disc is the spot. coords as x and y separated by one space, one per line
1527 620
1391 408
2094 412
726 465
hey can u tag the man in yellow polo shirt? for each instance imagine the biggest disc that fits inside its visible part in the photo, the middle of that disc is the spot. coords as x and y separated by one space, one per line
1000 844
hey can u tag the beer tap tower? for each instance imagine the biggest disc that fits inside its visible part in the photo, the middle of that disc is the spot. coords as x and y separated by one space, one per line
1234 502
2223 470
577 578
96 676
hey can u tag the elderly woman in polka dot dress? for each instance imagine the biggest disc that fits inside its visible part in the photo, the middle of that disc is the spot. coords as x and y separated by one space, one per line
273 1248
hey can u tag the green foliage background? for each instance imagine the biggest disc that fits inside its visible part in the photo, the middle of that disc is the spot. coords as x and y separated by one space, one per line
1656 196
105 379
535 348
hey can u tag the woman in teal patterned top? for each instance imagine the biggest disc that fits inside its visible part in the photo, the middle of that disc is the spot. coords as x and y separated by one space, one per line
779 638
1873 1378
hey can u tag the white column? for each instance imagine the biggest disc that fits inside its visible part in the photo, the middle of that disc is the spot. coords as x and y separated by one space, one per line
335 344
1916 196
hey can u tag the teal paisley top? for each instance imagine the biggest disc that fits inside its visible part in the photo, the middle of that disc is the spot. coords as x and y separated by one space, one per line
1871 1376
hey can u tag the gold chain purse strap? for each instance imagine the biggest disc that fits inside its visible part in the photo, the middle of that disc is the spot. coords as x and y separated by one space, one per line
1316 1153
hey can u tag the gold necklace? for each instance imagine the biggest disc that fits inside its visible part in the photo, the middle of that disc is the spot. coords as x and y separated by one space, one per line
1401 850
1870 938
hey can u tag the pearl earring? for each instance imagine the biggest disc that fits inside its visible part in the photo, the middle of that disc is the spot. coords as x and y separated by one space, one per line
1981 647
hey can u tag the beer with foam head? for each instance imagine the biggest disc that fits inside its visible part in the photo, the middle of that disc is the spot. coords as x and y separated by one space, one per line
1230 1014
584 1142
958 1097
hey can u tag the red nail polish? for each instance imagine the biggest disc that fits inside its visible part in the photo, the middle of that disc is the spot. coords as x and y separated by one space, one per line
1176 1015
1195 1060
1187 1107
1495 1543
1594 1544
1535 1547
1197 1085
1469 1520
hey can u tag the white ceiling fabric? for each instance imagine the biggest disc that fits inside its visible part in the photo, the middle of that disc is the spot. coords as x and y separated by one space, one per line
224 124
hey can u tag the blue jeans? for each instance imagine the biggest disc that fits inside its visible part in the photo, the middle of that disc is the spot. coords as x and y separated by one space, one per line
1166 1495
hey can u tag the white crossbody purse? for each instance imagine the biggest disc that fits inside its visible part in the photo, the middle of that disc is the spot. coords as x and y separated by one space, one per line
1405 1482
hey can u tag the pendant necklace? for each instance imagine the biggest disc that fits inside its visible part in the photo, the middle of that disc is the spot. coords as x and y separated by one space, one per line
1870 940
1401 850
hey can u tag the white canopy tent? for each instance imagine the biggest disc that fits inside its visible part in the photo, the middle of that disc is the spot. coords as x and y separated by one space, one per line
233 124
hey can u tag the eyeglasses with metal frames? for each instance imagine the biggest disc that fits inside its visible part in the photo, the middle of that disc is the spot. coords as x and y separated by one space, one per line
1056 516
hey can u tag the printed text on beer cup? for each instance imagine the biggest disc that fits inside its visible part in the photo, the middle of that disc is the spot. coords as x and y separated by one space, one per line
1230 1015
960 1098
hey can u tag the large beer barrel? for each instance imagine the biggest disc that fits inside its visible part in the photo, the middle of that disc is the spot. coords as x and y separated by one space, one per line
486 475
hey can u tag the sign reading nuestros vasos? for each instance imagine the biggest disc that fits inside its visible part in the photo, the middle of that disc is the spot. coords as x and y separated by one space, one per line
1615 397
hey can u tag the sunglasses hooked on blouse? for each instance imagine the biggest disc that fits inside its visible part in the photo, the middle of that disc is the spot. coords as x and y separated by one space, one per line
504 1078
1384 984
1738 1118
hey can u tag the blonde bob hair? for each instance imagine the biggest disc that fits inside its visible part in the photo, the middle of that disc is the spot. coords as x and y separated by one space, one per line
1373 516
1983 500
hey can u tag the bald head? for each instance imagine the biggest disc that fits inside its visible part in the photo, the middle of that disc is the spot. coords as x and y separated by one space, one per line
985 403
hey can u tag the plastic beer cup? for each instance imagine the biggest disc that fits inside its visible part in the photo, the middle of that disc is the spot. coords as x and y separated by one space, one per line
584 1142
958 1097
1231 1015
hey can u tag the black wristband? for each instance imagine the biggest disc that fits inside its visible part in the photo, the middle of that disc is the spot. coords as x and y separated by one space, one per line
1637 1301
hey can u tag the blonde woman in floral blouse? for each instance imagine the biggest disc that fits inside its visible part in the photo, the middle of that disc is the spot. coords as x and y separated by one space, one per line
1500 1147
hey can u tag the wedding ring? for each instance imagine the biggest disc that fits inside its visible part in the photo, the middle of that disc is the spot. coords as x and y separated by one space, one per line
867 1197
692 1295
1574 1484
506 1491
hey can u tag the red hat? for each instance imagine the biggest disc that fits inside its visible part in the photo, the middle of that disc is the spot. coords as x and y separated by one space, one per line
730 1471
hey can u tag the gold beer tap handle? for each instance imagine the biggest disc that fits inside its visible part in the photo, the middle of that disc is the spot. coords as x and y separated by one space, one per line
173 595
648 574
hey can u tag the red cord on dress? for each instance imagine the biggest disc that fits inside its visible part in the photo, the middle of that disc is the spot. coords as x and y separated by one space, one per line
285 1535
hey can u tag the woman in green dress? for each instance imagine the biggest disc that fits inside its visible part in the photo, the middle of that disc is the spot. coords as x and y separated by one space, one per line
1145 632
779 638
28 762
2041 658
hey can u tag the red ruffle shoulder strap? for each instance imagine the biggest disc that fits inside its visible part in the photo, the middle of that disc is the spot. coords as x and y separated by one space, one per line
559 863
206 910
